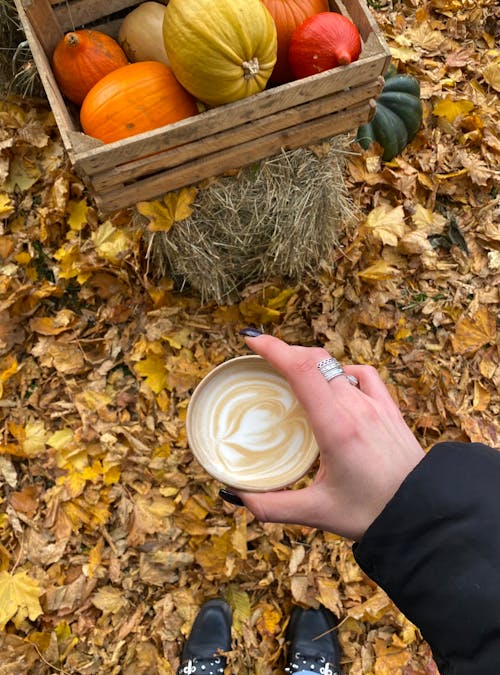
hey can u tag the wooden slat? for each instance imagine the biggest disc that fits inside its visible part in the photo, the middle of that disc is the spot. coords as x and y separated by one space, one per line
38 13
39 20
78 13
235 137
357 11
260 148
248 110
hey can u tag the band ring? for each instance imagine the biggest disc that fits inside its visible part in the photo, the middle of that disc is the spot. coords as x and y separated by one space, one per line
331 368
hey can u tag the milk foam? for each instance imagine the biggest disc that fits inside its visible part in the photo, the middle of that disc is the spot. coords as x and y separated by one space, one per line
247 429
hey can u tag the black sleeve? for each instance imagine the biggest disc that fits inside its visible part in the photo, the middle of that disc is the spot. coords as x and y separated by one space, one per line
435 550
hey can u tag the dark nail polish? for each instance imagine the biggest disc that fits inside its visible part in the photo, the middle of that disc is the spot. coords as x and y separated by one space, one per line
230 498
250 332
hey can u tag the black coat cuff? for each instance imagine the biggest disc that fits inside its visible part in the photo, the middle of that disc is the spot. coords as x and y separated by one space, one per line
435 549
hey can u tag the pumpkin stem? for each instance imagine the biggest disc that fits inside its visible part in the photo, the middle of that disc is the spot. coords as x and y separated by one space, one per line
250 68
71 39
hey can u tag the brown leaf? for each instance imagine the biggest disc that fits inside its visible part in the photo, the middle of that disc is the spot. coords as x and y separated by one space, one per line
471 333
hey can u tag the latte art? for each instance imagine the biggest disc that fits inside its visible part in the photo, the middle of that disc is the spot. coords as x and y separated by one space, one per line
247 429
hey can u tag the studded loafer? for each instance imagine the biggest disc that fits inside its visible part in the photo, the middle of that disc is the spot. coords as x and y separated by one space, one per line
210 635
313 642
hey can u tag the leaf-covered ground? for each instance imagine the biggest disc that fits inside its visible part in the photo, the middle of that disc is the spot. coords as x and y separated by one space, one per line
111 536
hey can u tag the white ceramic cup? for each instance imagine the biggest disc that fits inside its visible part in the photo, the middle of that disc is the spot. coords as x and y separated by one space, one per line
247 429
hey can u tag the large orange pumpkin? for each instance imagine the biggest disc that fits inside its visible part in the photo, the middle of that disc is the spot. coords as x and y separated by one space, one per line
287 15
138 97
81 58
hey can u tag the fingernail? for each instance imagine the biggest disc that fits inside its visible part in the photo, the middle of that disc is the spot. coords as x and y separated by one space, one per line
230 498
250 332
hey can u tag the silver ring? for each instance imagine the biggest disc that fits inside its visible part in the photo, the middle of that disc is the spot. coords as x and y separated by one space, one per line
353 380
331 368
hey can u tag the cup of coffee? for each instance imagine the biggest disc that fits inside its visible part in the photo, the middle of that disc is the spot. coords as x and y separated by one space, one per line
247 429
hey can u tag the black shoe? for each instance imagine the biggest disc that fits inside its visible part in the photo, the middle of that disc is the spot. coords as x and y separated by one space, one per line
210 634
321 655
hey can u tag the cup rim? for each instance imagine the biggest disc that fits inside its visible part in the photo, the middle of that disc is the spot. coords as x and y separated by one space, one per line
213 470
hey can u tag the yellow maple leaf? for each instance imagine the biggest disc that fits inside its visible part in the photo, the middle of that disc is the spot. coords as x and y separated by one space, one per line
163 213
71 260
451 109
153 368
77 214
387 223
111 242
19 594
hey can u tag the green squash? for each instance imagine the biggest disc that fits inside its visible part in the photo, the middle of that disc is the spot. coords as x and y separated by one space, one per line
397 118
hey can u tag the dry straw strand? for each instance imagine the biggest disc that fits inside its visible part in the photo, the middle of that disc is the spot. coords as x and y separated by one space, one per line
279 218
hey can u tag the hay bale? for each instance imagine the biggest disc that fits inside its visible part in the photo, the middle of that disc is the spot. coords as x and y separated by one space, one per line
280 217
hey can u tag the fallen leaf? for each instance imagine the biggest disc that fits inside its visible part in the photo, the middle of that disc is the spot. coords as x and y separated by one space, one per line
386 223
491 74
111 242
471 333
378 271
6 206
19 595
77 212
173 208
451 109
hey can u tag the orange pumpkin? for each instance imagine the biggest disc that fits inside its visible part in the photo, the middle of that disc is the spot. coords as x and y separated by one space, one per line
287 15
138 97
81 58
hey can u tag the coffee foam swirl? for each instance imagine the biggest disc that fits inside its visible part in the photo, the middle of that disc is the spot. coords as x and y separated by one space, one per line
247 429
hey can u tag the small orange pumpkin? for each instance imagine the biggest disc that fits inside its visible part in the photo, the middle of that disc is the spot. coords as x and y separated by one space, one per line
139 97
81 58
287 15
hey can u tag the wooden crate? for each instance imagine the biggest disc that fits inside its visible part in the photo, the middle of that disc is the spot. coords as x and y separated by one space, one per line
148 165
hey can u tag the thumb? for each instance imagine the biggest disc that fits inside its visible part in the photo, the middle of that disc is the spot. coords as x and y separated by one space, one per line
285 506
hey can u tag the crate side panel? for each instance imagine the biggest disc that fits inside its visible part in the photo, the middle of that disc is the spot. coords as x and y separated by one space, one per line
234 138
38 19
258 107
193 172
38 12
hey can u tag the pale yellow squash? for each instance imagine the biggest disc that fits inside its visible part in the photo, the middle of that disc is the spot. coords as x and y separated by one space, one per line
220 50
141 33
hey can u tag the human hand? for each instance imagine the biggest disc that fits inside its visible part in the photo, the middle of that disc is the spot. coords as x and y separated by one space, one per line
366 448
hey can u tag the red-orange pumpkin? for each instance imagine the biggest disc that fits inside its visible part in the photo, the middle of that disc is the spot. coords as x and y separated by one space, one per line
321 42
139 97
287 15
81 58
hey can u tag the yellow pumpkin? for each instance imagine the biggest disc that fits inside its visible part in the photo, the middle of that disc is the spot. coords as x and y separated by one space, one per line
220 50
